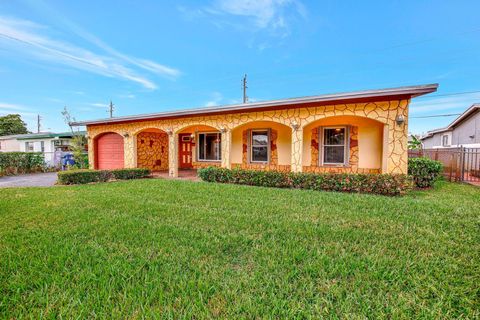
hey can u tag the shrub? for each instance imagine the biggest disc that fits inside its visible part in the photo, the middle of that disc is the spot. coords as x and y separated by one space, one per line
126 174
424 171
87 176
21 162
385 184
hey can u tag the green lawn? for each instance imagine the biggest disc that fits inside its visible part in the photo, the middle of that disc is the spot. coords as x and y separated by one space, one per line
173 249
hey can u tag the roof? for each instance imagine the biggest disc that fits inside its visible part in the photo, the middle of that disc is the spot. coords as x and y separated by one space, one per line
345 97
41 135
467 113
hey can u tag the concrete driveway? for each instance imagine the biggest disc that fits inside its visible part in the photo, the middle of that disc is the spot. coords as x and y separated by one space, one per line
29 180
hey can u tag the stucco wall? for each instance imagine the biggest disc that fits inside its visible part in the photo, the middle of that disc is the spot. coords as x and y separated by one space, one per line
370 139
394 139
283 141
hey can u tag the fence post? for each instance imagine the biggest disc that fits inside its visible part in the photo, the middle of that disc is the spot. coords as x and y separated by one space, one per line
462 162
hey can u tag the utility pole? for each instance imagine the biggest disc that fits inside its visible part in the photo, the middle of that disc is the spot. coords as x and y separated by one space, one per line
38 123
111 108
244 85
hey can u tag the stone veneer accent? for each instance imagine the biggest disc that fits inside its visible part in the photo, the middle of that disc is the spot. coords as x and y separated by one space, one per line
395 136
152 150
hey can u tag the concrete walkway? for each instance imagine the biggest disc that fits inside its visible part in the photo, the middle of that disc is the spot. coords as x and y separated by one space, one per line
29 180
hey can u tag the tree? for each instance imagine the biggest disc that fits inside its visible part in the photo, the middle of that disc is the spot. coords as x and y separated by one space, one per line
12 124
78 142
415 143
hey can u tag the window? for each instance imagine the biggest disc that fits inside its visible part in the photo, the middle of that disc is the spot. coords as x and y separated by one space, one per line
42 146
259 146
29 146
445 140
334 145
209 146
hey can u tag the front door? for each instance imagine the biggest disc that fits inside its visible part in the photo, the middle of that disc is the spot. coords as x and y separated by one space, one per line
185 151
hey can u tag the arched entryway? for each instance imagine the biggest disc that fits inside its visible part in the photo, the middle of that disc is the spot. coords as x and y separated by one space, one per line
109 151
199 146
152 149
263 145
338 144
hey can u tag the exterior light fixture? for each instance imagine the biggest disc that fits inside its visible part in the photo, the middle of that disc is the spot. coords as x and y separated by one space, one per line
400 120
169 132
223 130
126 135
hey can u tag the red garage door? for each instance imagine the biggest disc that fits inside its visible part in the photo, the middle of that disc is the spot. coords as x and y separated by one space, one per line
110 151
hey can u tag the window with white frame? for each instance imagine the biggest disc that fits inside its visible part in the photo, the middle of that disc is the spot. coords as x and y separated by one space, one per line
42 146
259 145
209 146
29 146
334 145
445 140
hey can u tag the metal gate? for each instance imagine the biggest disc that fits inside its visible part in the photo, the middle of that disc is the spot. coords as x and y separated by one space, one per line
459 164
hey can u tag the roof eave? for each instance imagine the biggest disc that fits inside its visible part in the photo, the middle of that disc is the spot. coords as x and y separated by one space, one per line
410 92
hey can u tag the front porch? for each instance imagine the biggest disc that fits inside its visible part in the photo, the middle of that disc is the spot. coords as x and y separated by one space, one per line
342 144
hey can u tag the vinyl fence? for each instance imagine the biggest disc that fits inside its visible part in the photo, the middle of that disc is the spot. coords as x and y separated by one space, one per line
459 164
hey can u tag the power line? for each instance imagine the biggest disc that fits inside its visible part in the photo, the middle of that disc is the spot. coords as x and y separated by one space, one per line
447 94
437 116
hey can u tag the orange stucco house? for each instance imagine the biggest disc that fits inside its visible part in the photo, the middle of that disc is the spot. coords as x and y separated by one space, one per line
356 132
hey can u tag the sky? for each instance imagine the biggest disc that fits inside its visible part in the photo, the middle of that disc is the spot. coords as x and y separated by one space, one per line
152 56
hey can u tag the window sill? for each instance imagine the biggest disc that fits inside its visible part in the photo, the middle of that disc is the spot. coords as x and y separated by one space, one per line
209 161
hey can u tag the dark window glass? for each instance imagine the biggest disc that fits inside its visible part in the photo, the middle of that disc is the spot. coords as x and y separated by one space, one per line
334 145
260 146
209 146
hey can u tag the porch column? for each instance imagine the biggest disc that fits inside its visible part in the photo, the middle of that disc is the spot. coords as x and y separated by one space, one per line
297 148
91 152
226 147
385 151
128 150
172 154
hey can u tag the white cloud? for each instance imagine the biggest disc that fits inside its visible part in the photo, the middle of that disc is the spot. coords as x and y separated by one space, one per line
30 39
11 106
274 16
215 100
448 103
99 105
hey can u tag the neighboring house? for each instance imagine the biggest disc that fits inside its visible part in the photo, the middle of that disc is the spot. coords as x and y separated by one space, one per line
9 143
463 131
49 143
363 131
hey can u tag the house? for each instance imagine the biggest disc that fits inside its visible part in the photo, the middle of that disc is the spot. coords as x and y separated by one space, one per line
356 132
9 143
463 131
49 143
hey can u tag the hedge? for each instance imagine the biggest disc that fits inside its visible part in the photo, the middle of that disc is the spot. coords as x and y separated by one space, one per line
424 171
88 176
21 162
384 184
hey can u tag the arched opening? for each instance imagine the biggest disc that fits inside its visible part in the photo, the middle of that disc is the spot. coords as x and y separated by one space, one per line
262 145
343 144
199 146
109 151
152 149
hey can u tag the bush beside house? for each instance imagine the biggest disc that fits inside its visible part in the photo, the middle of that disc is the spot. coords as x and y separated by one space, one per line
12 163
424 171
384 184
88 176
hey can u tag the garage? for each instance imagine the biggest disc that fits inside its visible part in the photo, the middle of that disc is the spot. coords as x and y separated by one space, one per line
110 153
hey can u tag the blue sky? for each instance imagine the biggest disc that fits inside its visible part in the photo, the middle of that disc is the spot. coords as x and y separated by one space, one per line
151 56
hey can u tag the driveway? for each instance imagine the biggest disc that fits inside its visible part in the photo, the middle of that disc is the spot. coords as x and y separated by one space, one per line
29 180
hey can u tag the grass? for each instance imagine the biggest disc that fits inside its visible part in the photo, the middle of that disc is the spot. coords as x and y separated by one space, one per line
178 249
